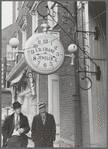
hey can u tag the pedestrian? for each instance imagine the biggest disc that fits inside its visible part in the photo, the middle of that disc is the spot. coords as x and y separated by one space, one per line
15 128
43 128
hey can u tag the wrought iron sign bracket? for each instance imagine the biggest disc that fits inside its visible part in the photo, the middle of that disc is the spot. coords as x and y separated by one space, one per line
69 18
96 33
98 72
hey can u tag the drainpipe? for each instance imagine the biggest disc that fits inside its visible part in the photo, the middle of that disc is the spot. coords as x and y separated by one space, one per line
77 103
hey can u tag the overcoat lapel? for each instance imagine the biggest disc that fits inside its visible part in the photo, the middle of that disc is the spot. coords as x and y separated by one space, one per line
47 119
46 122
21 119
40 121
12 124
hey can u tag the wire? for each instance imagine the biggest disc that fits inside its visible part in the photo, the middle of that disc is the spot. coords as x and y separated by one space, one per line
100 24
94 18
88 21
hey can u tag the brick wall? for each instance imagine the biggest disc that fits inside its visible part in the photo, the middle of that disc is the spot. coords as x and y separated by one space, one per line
6 99
66 85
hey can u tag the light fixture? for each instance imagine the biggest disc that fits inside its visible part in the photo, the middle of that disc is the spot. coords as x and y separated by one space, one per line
72 48
14 42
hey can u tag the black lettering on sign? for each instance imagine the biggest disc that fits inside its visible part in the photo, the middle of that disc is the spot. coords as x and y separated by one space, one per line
34 58
51 64
52 51
32 51
39 49
45 41
39 57
39 41
55 60
36 49
45 65
57 54
35 45
52 58
46 49
55 47
38 62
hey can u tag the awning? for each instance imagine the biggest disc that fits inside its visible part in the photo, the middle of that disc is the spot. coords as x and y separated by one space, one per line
17 79
16 71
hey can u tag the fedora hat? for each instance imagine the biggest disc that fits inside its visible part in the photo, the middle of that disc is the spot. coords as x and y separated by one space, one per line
41 104
16 105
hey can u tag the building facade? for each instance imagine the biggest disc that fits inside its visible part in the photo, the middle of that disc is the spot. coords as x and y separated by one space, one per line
80 113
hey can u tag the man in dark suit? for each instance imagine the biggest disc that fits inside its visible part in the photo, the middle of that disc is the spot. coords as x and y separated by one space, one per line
14 128
43 128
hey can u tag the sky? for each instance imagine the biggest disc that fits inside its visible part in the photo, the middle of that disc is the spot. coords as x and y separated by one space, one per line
6 13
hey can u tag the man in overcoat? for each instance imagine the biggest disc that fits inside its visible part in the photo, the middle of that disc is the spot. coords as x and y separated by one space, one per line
43 128
15 128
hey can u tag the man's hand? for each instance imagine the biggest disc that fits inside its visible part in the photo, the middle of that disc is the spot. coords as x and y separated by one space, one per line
7 139
21 130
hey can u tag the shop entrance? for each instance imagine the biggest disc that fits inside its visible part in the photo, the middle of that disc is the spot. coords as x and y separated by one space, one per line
53 101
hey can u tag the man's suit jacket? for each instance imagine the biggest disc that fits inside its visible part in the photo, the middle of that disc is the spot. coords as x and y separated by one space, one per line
9 124
43 135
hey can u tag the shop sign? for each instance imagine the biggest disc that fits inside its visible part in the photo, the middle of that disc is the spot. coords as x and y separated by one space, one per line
31 83
44 53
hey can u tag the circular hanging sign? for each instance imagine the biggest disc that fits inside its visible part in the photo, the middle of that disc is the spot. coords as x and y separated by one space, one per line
44 53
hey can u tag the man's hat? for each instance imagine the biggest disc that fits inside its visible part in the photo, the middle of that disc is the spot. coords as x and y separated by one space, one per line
16 105
41 104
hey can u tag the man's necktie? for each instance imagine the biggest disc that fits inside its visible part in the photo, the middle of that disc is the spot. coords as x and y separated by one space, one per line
17 123
43 118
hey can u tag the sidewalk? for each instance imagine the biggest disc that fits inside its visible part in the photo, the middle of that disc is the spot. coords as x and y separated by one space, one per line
30 143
